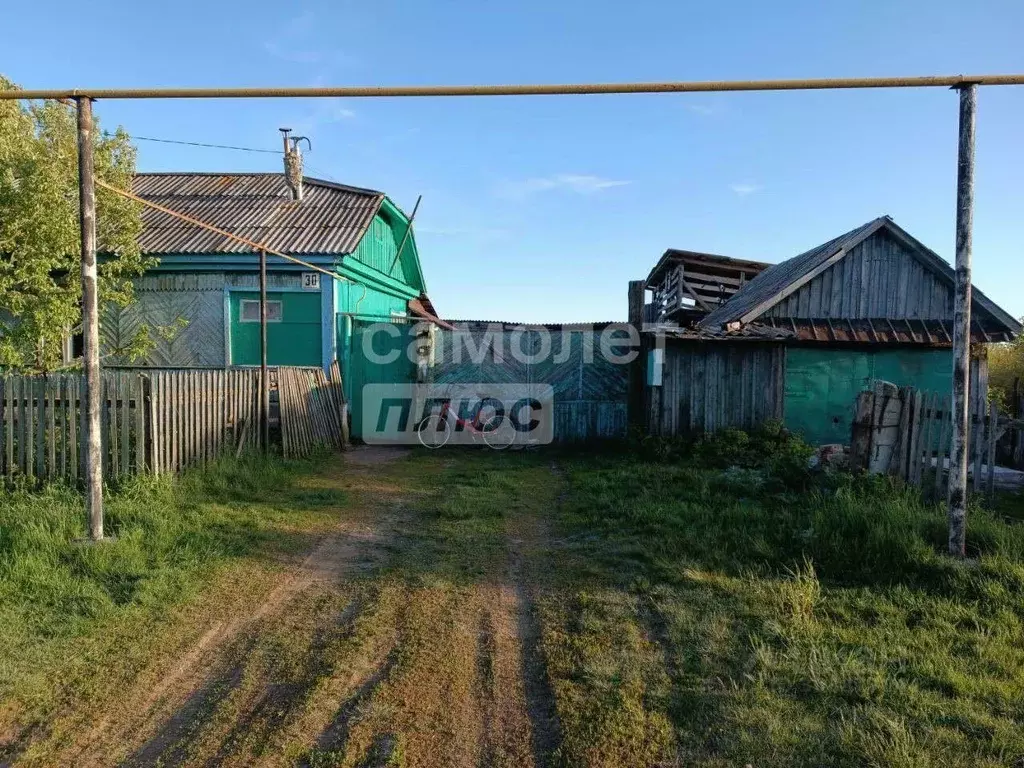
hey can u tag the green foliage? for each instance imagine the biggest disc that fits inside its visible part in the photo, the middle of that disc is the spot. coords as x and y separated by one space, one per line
1005 365
770 450
40 289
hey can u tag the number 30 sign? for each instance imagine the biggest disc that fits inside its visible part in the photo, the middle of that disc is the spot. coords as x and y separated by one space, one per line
311 281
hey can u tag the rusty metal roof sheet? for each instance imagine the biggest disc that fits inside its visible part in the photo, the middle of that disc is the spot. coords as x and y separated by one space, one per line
937 333
330 219
749 332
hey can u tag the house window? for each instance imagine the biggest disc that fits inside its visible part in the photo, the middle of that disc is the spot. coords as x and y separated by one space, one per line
250 311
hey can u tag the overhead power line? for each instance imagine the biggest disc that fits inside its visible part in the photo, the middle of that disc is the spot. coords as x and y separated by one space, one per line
209 146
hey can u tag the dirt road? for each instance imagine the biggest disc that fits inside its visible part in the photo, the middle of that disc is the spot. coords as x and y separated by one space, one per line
404 636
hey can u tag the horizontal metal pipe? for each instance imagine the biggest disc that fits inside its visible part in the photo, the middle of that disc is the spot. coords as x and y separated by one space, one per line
930 81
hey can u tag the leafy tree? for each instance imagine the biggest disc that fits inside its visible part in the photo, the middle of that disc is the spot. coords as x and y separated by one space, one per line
1005 365
40 288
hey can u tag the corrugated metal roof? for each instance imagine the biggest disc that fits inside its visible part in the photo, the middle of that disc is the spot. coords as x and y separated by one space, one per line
330 219
777 277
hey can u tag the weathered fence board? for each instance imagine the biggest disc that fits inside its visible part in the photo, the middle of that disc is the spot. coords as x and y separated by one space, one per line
310 407
920 453
159 421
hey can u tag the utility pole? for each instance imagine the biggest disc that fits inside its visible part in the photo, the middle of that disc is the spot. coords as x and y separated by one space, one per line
90 321
264 376
962 322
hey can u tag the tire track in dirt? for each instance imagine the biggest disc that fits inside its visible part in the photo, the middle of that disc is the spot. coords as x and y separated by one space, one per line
212 668
520 726
528 540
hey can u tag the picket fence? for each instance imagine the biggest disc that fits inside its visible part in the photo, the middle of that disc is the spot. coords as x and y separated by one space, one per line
161 421
908 433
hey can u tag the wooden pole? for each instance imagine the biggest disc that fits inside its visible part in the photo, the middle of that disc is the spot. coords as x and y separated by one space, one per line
90 321
264 376
957 496
405 237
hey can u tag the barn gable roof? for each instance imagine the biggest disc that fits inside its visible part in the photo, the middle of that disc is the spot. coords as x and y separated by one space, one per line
331 218
780 280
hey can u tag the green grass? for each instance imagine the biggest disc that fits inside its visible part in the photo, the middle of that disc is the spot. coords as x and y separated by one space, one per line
800 620
63 602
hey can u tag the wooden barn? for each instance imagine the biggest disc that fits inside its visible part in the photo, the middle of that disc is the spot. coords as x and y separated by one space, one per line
801 338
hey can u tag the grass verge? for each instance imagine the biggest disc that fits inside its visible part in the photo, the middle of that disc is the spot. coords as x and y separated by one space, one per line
75 616
734 609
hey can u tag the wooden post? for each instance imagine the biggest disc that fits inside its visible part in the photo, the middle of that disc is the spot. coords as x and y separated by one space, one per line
635 401
90 321
957 496
264 376
863 429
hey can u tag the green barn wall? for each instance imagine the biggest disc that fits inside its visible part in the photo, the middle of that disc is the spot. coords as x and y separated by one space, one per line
822 384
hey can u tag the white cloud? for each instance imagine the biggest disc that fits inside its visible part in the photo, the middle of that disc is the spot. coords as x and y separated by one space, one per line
744 188
582 184
296 56
324 112
292 44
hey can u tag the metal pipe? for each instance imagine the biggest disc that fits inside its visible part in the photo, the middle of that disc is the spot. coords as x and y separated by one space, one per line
801 84
264 374
90 321
962 324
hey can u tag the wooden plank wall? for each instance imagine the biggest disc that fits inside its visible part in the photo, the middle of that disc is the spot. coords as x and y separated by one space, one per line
708 386
879 278
198 415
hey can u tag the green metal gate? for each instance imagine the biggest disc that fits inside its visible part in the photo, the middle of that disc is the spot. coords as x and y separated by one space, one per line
373 356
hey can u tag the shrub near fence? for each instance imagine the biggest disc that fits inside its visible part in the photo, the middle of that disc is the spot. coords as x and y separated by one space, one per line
158 420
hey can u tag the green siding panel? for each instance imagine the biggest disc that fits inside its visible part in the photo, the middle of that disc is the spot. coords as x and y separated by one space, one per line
822 384
293 341
379 246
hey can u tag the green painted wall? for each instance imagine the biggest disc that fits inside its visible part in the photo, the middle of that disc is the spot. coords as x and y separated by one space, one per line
293 341
379 245
822 384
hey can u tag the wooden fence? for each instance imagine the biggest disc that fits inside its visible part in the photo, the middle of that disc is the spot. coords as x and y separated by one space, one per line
196 415
312 410
908 433
161 421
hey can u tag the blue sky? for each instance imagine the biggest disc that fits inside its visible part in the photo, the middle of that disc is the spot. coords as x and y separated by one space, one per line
542 208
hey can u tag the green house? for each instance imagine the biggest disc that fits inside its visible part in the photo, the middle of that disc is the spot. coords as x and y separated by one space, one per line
201 300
